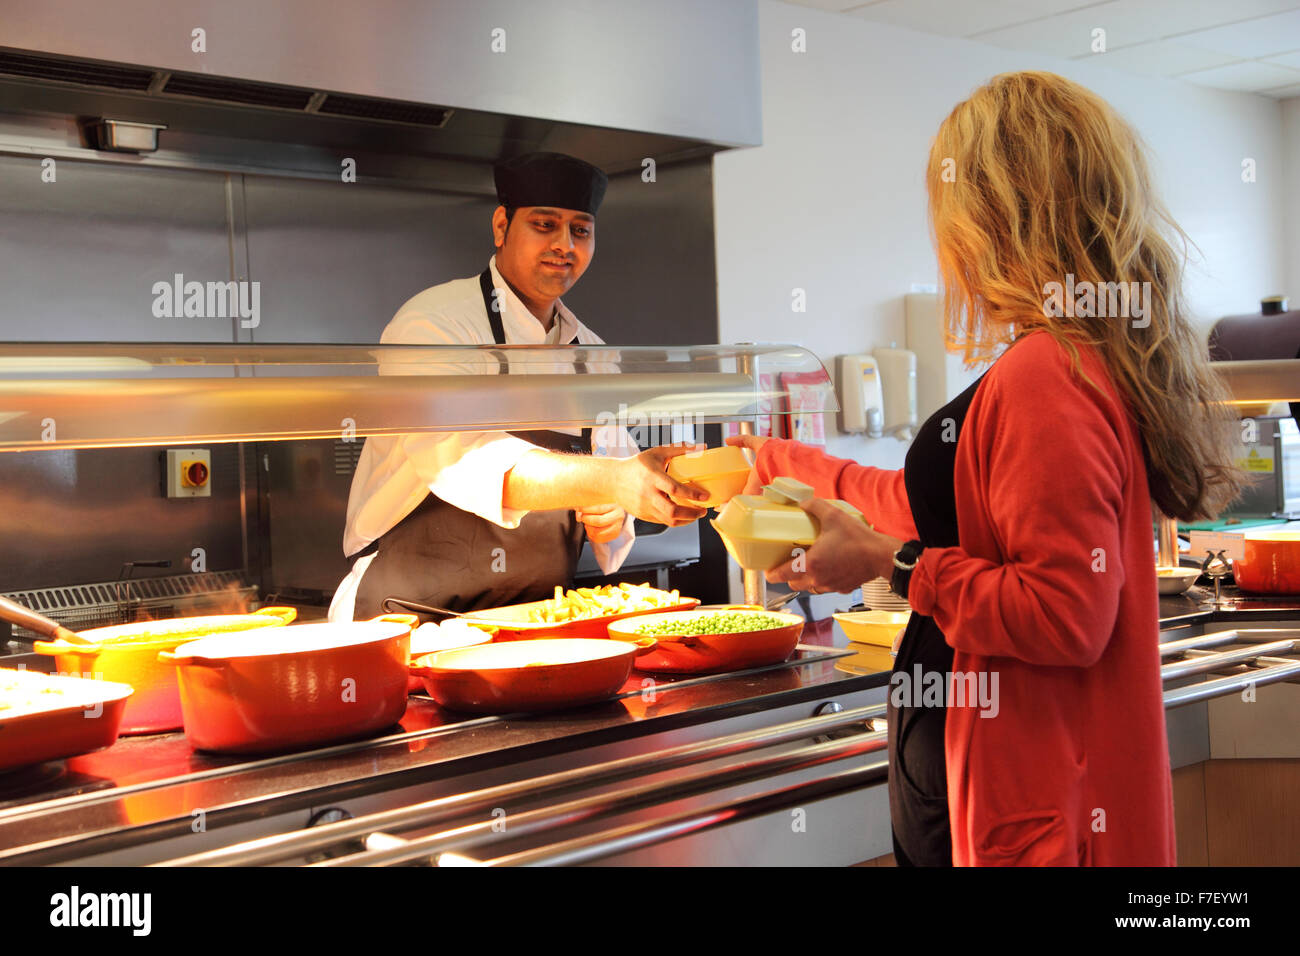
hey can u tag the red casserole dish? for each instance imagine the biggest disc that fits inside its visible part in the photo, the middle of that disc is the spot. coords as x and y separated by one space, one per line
529 675
514 621
452 633
45 718
128 654
1270 562
294 686
712 653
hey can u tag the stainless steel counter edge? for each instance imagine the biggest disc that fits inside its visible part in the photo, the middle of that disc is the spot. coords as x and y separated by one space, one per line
70 827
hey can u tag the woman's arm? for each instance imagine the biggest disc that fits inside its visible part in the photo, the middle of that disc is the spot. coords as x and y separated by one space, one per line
1044 491
877 492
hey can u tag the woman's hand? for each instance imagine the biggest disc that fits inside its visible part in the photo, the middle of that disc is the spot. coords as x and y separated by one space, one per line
847 552
603 522
755 444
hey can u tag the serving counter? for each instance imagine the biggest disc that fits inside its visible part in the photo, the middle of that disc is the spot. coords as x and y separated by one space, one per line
153 798
783 764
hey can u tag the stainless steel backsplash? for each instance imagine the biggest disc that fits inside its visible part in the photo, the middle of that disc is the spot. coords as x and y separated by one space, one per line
78 259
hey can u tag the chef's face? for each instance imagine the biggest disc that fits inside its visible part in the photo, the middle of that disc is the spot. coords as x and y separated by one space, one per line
542 251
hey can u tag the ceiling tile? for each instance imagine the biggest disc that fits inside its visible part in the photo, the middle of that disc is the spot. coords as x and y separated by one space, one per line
1287 59
1162 58
959 18
1162 19
835 6
1262 36
1070 34
1245 75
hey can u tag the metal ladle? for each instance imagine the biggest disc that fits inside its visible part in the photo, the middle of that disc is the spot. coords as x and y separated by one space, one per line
16 613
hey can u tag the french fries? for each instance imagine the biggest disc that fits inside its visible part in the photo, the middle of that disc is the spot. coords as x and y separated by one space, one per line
604 601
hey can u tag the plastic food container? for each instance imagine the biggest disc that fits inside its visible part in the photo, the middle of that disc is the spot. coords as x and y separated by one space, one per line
721 472
762 531
872 627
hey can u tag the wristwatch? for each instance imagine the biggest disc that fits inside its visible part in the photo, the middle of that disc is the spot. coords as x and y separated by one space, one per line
904 563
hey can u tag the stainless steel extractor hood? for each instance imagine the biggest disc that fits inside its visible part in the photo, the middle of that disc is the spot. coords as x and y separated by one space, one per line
414 85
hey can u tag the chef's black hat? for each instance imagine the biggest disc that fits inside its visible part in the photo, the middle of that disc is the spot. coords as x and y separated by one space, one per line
550 179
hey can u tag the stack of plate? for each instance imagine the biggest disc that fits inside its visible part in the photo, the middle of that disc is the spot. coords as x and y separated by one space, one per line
877 596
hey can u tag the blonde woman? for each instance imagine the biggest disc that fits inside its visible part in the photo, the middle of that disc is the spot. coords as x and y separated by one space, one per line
1020 528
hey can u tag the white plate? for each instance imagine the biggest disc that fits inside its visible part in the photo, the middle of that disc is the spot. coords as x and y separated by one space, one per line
430 637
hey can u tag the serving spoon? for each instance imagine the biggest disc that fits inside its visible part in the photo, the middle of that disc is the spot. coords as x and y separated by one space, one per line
415 606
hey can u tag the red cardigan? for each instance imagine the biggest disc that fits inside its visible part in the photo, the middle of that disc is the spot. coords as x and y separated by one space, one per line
1052 588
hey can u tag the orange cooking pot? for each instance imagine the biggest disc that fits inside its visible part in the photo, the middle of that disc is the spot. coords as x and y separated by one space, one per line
302 685
128 654
712 653
430 637
543 674
1270 562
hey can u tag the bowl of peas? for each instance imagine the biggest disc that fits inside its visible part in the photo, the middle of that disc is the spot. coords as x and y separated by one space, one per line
712 640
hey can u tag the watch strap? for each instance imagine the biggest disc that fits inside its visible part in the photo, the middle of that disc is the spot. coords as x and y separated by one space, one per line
904 564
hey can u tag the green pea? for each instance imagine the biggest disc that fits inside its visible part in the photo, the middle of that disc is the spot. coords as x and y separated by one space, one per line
725 622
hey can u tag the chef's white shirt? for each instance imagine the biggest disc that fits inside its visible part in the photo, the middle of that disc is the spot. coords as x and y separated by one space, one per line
465 469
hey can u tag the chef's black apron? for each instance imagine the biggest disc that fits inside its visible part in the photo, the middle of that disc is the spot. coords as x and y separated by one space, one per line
918 786
443 556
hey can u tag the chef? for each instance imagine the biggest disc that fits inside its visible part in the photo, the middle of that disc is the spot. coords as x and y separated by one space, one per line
481 519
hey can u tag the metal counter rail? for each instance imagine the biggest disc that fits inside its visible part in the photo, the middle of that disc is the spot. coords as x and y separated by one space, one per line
443 809
1260 667
373 841
616 802
1201 662
635 835
1255 635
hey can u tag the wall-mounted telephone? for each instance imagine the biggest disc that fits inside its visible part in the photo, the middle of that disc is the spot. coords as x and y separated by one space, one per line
878 393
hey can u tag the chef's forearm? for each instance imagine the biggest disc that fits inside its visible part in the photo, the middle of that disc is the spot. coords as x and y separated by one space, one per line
542 480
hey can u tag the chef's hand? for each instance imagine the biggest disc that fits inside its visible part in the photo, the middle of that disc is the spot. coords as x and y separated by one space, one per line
642 487
847 552
754 443
603 522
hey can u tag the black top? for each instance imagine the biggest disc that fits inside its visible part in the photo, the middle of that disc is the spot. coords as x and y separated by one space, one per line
927 473
918 792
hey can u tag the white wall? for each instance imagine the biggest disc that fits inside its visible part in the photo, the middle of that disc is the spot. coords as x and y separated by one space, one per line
1291 198
834 200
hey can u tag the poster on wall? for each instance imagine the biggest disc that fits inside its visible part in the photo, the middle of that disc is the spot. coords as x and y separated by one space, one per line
771 420
805 391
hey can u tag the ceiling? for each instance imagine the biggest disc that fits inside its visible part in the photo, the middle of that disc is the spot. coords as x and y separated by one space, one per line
1245 45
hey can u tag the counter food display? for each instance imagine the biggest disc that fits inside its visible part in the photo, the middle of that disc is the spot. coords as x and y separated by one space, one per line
698 762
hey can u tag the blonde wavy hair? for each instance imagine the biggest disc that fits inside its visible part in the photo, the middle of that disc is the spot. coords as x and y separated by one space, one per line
1033 179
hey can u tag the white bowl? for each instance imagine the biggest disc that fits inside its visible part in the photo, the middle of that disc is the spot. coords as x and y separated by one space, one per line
1176 580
